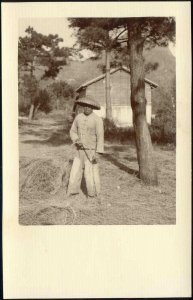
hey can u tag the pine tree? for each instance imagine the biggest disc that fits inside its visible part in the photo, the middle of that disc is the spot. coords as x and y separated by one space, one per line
144 33
35 50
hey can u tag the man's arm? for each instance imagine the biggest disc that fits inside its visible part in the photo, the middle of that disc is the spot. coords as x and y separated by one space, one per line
100 135
74 131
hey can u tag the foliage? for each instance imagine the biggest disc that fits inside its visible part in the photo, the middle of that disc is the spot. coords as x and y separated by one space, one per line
96 34
28 90
60 91
30 93
30 86
43 101
114 34
36 49
163 128
24 103
101 34
121 58
152 30
113 133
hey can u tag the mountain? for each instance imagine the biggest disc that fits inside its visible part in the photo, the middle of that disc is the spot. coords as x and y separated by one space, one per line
77 72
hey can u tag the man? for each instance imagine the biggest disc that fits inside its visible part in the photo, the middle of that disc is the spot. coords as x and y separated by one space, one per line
87 134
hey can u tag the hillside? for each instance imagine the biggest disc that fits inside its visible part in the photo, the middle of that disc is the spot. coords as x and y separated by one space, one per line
77 72
164 75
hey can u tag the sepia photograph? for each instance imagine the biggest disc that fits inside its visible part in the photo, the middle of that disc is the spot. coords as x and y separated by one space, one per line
97 121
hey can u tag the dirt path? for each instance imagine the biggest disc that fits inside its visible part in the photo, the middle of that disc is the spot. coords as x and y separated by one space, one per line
125 200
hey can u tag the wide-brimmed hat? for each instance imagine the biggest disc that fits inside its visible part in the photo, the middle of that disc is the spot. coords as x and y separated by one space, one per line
88 100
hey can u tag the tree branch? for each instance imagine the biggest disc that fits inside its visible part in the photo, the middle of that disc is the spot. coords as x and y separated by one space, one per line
119 34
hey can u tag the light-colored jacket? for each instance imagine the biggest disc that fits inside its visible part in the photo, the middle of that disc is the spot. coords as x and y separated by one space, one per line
89 130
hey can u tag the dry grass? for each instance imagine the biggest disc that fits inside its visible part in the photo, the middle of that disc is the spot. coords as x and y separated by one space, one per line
45 152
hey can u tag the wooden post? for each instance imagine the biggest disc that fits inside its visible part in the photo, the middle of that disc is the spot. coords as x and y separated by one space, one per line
107 87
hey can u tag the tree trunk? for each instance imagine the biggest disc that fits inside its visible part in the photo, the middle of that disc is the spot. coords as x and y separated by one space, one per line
31 112
36 110
145 153
57 103
107 87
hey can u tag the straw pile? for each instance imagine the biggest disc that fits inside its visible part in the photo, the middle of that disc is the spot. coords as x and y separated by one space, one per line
42 177
39 182
50 215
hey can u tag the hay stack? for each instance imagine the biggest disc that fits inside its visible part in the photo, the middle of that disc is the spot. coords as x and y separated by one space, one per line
52 215
41 177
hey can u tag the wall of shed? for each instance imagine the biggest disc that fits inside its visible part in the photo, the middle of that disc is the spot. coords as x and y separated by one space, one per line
120 98
120 89
122 115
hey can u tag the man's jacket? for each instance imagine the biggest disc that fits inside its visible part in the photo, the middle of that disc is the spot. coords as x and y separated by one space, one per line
89 130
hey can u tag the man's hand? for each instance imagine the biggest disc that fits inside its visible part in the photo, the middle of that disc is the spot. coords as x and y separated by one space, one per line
79 144
97 156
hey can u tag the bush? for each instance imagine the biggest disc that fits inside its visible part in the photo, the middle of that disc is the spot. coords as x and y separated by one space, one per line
27 91
60 93
162 130
43 101
112 133
54 96
163 127
24 104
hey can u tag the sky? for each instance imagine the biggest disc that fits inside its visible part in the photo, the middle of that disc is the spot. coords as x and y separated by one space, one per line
53 26
49 26
57 26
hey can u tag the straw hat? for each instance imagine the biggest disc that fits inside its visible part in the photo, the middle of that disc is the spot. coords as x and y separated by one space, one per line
89 101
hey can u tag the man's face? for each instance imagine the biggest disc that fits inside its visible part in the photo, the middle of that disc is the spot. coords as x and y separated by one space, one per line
87 110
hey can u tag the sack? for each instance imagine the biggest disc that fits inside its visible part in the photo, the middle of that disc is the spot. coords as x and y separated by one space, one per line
75 177
91 174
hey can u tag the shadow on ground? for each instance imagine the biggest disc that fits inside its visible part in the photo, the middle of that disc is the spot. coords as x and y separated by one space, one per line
120 165
49 137
56 139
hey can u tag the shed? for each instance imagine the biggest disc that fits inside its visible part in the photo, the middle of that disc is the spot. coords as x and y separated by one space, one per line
120 91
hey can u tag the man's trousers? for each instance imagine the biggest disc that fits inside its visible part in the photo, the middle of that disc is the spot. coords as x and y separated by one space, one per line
83 165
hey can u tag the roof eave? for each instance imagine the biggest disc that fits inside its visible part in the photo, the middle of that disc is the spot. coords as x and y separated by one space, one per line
86 84
151 83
